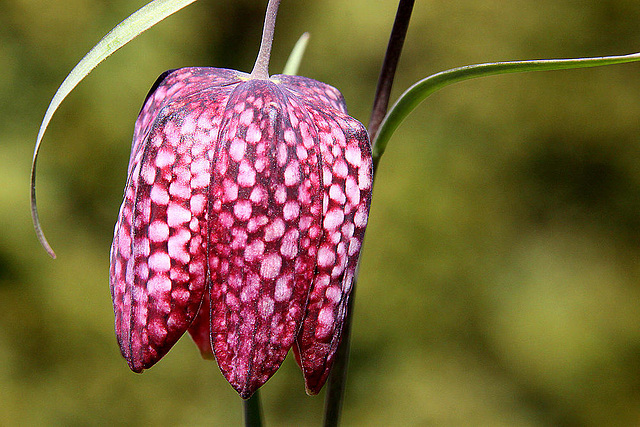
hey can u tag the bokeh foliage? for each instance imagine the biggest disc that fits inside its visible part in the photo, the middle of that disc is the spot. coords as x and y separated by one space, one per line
500 282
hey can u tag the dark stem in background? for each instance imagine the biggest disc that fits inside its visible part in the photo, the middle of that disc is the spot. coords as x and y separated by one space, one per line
338 376
253 411
388 70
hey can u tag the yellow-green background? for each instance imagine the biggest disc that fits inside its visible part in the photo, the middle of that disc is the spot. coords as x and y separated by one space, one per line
500 282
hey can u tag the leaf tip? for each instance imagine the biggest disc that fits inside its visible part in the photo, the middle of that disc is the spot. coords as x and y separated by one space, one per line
39 233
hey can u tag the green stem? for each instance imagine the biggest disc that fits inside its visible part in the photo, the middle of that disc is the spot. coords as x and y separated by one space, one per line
417 93
253 411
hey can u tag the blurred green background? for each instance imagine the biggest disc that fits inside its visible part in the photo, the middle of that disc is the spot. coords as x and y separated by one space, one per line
500 282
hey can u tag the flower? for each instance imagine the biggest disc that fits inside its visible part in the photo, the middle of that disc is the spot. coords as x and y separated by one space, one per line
244 212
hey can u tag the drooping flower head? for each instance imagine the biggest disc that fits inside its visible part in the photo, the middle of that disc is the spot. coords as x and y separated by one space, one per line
244 212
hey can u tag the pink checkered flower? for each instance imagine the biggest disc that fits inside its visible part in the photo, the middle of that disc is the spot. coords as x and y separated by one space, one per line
243 216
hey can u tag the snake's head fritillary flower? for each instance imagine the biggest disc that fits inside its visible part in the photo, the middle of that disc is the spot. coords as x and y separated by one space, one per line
244 212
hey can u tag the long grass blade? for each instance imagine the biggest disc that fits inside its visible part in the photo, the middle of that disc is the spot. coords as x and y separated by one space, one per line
295 58
123 33
417 93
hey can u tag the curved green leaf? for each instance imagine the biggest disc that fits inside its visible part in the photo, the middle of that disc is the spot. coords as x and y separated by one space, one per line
295 58
417 93
123 33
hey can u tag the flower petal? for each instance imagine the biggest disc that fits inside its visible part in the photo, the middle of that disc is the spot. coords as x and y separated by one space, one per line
264 229
200 329
158 257
169 88
347 180
317 94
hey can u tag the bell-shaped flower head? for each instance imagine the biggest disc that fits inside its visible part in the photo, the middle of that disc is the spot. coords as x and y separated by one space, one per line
243 216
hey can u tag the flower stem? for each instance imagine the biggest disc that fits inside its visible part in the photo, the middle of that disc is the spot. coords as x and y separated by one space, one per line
261 67
253 411
389 65
338 376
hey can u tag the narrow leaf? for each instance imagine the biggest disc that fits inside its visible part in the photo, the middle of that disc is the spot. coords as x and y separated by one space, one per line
295 58
417 93
122 34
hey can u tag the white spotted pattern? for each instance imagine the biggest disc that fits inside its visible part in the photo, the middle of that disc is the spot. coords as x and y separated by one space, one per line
242 222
